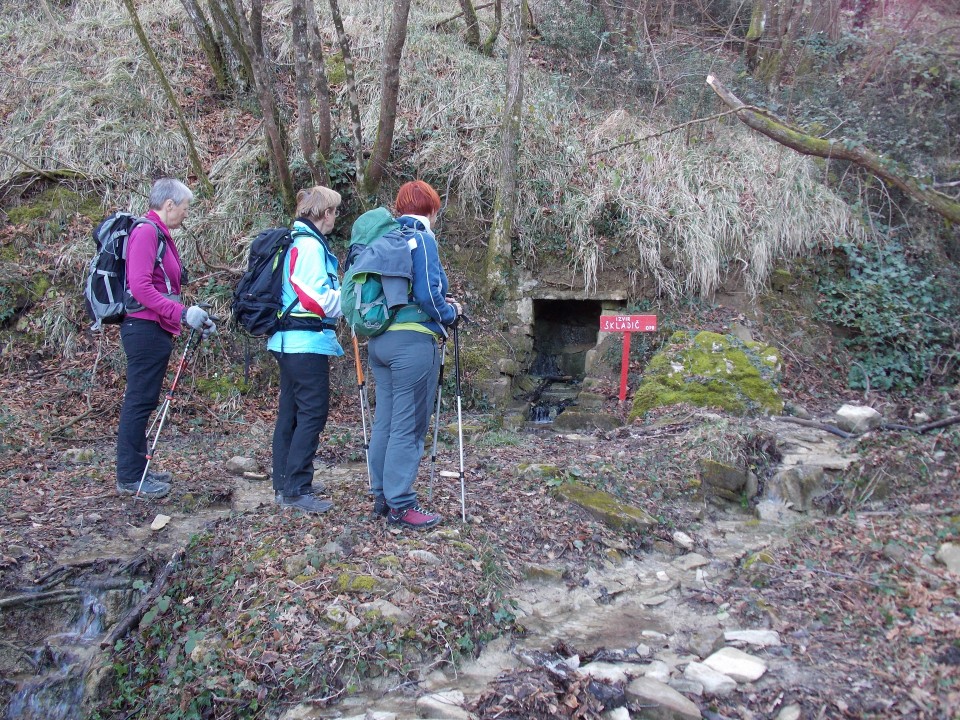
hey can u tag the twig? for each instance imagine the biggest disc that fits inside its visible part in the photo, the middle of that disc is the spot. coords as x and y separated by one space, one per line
695 121
815 424
927 427
437 25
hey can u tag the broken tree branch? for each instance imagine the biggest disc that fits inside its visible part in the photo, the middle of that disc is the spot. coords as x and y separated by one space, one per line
888 170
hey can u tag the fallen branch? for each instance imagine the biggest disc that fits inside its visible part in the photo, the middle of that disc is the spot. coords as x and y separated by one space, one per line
816 424
926 427
40 598
133 617
795 139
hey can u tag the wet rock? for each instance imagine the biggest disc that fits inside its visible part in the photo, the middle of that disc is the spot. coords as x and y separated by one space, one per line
577 420
607 508
239 465
949 554
739 665
799 486
758 638
664 701
858 418
445 705
714 683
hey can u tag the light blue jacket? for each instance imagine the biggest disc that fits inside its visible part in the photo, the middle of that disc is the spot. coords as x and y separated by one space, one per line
310 283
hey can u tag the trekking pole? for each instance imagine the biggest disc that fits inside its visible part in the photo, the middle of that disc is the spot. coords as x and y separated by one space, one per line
436 419
364 407
456 368
161 415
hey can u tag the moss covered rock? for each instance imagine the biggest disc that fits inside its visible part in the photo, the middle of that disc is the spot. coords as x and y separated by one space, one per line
711 370
608 509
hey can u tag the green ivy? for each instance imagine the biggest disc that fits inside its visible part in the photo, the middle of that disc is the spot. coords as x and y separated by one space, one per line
896 314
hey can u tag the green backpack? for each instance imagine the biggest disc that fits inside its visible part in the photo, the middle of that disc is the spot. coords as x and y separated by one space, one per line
362 297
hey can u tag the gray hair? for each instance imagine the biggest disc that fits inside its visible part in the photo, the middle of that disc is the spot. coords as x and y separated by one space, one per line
169 189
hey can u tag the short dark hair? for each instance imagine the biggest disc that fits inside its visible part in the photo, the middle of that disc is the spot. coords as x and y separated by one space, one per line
417 198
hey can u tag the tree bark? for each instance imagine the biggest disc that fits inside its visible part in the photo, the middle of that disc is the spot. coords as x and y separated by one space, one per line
263 85
223 13
344 40
758 19
472 30
322 88
795 139
303 82
499 247
208 43
491 40
389 95
198 170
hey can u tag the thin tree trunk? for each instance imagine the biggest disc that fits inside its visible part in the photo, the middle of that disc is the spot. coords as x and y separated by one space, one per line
344 41
885 169
223 13
324 135
198 170
491 40
271 125
256 26
303 82
758 19
610 24
499 254
472 32
211 48
389 95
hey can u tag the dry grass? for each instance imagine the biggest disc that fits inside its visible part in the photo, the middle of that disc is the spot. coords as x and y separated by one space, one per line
682 214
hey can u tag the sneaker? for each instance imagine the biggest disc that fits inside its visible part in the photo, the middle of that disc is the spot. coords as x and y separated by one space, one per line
312 489
413 517
149 489
380 507
159 477
306 503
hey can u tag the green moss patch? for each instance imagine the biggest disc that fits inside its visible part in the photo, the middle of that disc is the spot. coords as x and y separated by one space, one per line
606 508
711 370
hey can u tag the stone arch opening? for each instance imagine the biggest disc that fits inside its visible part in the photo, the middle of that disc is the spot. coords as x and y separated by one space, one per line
564 331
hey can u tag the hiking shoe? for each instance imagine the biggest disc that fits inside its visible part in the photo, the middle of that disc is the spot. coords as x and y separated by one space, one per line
313 489
413 517
306 503
380 507
149 489
159 477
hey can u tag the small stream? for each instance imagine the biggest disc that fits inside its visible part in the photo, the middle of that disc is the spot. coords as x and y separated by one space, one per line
56 690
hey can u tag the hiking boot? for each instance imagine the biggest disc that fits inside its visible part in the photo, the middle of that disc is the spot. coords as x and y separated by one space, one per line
413 517
313 489
159 477
149 489
380 507
306 503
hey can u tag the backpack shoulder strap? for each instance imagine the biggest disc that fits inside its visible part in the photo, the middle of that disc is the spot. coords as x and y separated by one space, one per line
161 249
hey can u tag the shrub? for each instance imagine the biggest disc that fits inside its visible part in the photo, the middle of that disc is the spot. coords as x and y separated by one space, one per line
896 313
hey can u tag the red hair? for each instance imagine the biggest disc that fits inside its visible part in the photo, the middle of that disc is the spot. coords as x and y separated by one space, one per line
417 198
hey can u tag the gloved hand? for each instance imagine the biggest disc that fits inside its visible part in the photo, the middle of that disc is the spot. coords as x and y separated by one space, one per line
196 317
209 330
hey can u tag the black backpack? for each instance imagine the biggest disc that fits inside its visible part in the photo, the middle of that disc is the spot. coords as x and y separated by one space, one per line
106 295
257 300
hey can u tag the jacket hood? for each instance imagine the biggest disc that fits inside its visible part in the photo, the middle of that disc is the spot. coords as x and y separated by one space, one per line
372 225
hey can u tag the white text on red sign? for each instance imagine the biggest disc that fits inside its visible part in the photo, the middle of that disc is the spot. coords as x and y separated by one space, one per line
628 323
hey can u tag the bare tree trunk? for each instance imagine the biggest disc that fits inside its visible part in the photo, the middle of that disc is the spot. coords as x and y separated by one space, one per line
885 169
758 19
256 26
389 95
354 103
610 24
223 13
472 34
171 98
499 254
325 133
303 82
211 48
263 85
491 40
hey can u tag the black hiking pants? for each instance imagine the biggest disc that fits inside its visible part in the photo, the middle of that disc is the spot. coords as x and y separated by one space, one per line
148 348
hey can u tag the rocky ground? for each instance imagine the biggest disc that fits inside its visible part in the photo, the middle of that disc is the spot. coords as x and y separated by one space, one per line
843 610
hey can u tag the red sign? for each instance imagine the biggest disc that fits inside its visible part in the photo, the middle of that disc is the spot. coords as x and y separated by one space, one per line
628 323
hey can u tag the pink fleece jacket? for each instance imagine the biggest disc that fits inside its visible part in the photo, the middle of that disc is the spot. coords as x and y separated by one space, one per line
146 280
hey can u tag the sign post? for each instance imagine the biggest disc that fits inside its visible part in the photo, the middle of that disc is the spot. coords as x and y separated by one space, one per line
627 324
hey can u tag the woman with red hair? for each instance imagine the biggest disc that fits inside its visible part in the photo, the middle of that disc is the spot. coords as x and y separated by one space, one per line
405 361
